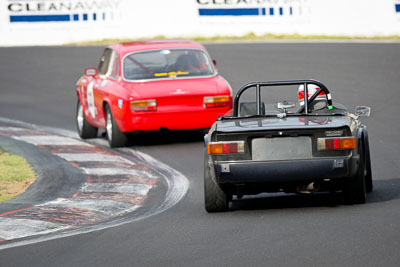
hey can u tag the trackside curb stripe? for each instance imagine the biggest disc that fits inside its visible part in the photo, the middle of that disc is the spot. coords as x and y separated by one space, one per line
77 220
115 186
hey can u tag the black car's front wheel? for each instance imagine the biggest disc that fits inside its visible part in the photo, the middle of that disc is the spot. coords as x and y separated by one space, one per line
115 137
85 130
215 198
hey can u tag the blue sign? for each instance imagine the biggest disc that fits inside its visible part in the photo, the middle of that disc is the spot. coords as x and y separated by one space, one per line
53 18
242 11
60 10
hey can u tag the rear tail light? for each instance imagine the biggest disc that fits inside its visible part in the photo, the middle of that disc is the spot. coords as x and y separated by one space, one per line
214 148
144 105
216 101
336 143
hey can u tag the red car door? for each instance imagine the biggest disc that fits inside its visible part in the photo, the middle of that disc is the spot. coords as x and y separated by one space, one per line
105 85
95 92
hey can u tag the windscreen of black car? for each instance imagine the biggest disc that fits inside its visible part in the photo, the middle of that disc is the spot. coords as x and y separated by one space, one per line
167 64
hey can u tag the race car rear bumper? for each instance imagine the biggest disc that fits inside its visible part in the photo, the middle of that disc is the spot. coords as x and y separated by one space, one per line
175 120
285 171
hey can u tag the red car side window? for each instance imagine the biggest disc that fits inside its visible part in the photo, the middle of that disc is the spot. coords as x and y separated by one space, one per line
115 66
104 61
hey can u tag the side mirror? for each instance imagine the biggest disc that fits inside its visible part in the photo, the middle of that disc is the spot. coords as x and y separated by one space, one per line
91 71
363 111
214 62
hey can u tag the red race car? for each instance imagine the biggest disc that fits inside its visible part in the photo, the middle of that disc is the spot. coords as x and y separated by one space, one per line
148 86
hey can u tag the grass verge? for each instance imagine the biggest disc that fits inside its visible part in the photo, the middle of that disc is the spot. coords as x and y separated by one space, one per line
246 37
16 175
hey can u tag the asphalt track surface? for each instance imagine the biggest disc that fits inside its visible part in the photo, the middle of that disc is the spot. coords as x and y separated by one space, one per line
37 86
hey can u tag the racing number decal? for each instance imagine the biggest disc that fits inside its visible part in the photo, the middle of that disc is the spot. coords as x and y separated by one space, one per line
90 99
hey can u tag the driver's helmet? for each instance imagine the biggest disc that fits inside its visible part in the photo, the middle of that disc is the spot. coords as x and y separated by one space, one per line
312 88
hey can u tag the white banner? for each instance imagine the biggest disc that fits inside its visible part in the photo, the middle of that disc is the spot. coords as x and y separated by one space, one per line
48 22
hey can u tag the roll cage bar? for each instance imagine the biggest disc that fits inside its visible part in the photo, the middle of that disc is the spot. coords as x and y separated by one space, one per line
259 85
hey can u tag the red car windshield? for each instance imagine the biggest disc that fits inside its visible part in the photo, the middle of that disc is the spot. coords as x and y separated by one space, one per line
167 63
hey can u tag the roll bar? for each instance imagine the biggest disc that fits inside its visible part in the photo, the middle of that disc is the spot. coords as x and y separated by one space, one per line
259 85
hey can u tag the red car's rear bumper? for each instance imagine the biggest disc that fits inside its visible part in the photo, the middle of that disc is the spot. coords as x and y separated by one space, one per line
183 120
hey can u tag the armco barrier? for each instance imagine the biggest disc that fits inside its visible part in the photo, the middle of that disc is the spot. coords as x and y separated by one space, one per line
47 22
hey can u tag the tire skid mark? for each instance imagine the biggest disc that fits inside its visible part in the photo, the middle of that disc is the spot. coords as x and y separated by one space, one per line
115 186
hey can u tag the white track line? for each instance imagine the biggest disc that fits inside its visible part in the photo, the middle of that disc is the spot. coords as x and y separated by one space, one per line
112 208
18 228
139 189
116 171
12 129
50 140
91 157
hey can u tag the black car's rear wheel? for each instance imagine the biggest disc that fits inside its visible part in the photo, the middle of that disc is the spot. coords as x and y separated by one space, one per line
215 198
115 137
85 129
355 189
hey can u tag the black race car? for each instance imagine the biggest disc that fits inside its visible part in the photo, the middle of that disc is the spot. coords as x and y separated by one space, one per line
292 147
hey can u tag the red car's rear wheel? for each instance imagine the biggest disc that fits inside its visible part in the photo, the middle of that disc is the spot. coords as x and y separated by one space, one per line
85 129
115 137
